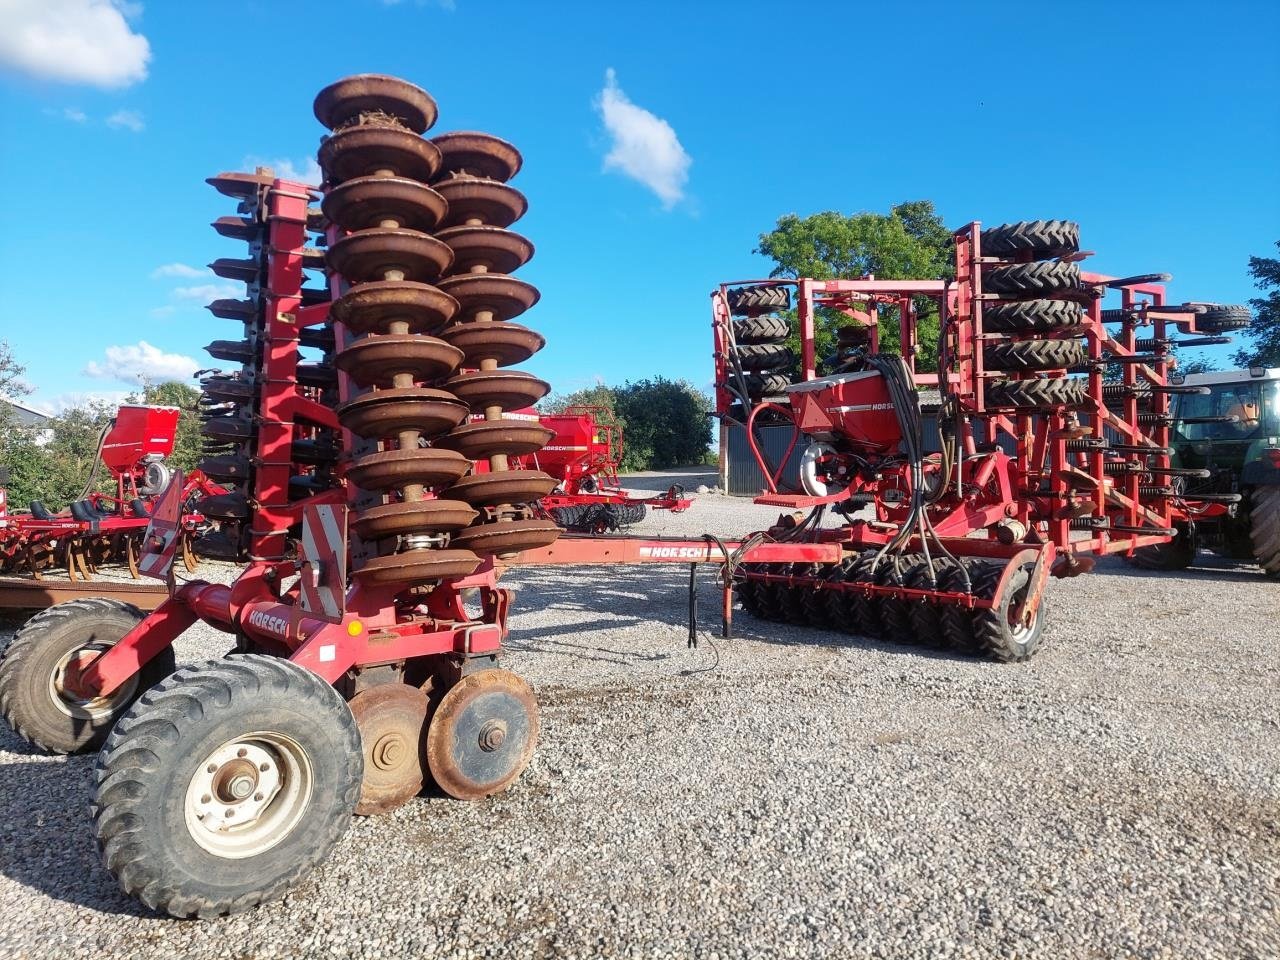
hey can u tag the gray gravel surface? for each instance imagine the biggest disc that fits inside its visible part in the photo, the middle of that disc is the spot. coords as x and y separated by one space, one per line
797 794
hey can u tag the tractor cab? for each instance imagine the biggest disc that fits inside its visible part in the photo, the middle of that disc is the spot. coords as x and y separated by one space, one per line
1250 398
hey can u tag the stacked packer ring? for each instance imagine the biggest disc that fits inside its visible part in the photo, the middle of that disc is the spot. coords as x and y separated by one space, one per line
377 167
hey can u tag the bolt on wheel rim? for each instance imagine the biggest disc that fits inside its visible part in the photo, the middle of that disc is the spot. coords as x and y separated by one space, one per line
248 795
87 708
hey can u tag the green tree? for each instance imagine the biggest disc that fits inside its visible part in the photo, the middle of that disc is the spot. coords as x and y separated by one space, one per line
910 242
1264 348
667 423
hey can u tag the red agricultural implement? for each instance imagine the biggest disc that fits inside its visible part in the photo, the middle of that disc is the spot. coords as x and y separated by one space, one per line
377 488
583 455
105 528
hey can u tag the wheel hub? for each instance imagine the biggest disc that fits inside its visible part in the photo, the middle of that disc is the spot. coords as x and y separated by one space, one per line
482 734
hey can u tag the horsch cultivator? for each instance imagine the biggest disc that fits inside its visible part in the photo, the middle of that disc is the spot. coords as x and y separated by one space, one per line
107 528
382 399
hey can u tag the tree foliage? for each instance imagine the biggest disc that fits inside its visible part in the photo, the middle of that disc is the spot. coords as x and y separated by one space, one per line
1264 348
910 242
664 422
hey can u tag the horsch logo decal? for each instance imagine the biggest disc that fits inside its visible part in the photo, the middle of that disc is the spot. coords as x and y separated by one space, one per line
690 552
270 623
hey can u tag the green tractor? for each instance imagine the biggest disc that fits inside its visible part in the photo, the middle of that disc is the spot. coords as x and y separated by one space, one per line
1233 431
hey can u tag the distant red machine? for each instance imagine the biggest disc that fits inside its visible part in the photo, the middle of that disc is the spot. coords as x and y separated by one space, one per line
583 456
102 528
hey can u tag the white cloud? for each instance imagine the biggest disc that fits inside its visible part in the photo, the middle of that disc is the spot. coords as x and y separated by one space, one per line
178 270
209 291
73 41
138 362
63 402
127 120
644 147
301 171
75 115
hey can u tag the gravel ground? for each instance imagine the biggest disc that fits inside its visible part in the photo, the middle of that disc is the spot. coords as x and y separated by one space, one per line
797 794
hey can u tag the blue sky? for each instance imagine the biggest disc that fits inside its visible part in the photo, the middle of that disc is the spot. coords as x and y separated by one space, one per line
1155 125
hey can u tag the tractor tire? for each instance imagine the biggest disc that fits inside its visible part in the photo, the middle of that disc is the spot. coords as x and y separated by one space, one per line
35 661
629 513
1037 394
1224 317
1031 316
177 760
1024 280
791 599
761 330
753 301
1178 554
817 606
1023 355
926 617
865 610
1040 238
1264 528
570 518
838 602
764 384
895 612
748 593
764 356
769 595
992 631
957 621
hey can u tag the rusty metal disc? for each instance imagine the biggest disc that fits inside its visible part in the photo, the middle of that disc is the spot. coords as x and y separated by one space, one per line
238 228
240 185
239 351
425 516
230 268
506 537
484 438
477 154
482 734
368 150
415 567
505 486
226 506
486 201
508 389
372 307
375 359
392 718
495 249
505 343
369 254
505 297
368 201
246 311
232 429
387 412
344 100
392 469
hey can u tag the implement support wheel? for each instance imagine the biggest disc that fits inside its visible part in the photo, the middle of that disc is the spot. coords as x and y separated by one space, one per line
482 734
996 630
392 718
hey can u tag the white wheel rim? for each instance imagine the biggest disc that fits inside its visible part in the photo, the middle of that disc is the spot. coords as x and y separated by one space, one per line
248 795
87 708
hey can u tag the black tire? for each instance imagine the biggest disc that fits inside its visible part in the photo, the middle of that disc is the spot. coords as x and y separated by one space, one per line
1031 279
957 621
1040 238
36 656
761 330
1023 355
763 384
1178 554
570 518
764 356
1223 317
630 513
143 784
1264 527
895 613
838 613
926 617
1037 394
992 631
749 592
753 301
864 610
816 599
1031 316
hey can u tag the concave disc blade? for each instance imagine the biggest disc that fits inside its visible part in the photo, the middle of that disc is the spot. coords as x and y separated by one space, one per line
493 248
245 311
425 516
477 154
372 307
239 228
387 412
417 566
506 486
482 734
370 254
374 360
486 437
344 100
505 297
368 201
392 719
508 389
393 469
485 201
505 343
367 150
231 269
507 536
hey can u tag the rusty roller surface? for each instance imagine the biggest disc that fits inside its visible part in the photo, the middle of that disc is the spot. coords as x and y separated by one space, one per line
474 168
377 168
